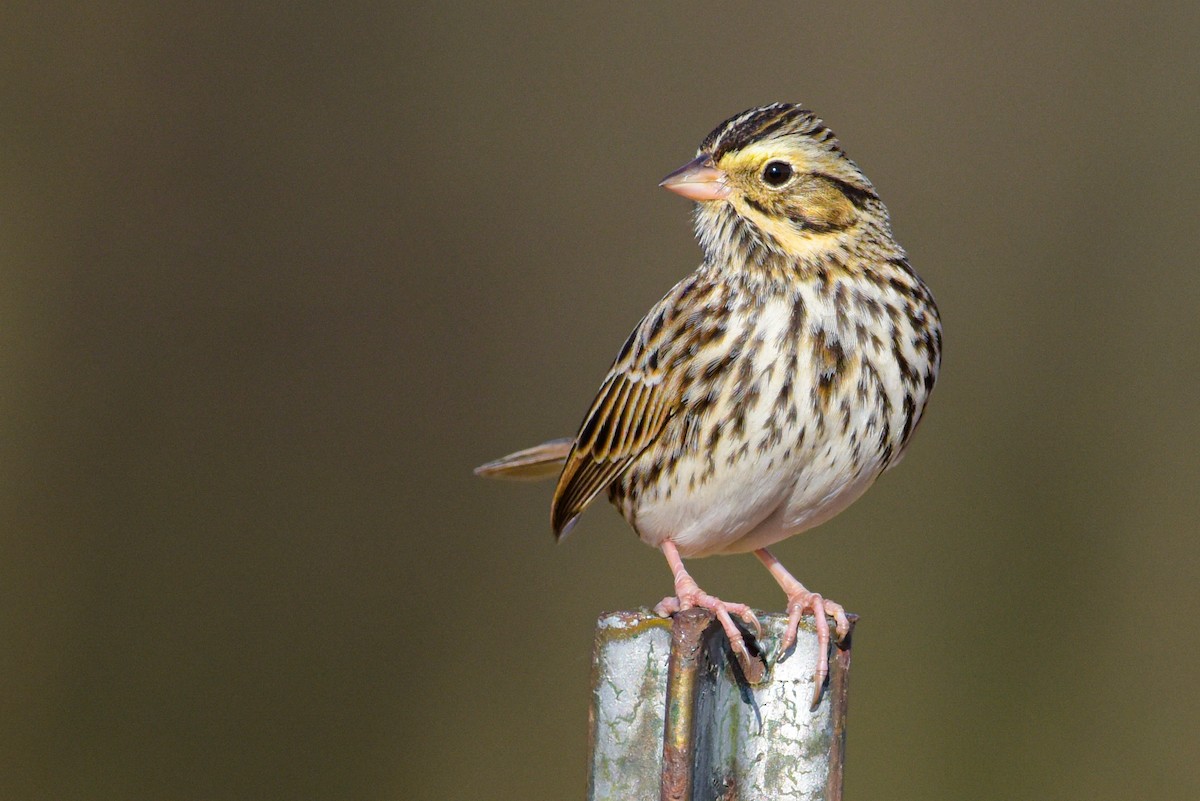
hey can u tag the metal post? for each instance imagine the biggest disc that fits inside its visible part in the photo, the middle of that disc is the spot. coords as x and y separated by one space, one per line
674 719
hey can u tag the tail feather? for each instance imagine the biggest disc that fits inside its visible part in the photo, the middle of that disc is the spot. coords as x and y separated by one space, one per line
532 464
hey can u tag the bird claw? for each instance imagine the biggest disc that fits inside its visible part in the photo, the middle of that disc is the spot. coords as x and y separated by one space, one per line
667 606
802 601
693 597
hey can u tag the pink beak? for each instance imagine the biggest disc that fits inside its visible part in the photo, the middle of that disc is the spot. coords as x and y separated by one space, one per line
698 180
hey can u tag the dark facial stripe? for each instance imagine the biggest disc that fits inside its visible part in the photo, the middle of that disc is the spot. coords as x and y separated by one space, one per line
805 224
855 194
760 208
799 220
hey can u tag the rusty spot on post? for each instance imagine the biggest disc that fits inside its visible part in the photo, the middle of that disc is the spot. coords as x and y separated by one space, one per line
699 650
687 632
839 691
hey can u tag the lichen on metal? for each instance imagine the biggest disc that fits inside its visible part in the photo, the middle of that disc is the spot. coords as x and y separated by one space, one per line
629 690
668 699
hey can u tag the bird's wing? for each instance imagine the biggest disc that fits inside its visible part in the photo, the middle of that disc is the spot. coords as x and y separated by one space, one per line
629 412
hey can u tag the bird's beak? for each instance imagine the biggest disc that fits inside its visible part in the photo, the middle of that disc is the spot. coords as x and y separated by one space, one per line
698 180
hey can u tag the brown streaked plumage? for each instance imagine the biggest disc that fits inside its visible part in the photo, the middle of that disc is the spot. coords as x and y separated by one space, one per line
768 389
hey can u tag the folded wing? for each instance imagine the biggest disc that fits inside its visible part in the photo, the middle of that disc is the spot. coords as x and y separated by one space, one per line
627 416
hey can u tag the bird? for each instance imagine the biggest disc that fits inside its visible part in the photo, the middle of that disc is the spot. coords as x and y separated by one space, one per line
769 388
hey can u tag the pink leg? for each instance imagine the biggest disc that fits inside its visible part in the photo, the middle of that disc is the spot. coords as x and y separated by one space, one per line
688 594
800 600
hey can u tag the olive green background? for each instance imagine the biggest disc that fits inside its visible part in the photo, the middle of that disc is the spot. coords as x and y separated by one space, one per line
275 277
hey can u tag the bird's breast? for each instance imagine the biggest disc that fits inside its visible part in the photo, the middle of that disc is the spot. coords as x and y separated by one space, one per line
791 411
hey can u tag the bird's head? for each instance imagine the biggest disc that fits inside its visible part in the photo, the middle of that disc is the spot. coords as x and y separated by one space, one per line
774 182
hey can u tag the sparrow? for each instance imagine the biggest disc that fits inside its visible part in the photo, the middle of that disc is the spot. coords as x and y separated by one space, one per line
769 388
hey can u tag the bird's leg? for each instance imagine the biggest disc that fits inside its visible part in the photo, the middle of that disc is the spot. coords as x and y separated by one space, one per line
800 600
688 595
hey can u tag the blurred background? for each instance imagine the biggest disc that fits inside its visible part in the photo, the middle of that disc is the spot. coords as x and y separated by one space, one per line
276 277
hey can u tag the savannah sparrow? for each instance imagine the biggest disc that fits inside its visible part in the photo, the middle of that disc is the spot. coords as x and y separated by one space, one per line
770 387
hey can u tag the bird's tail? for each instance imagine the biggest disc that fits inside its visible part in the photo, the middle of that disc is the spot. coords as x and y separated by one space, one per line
532 464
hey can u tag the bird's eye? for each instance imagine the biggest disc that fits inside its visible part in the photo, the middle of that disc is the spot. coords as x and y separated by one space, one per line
777 173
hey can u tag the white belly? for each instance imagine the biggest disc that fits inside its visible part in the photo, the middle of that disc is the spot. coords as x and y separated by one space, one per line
756 506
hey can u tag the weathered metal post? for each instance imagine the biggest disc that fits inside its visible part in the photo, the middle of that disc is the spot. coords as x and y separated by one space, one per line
673 718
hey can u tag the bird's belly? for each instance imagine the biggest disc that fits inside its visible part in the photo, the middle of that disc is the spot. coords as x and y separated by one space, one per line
809 505
762 502
708 517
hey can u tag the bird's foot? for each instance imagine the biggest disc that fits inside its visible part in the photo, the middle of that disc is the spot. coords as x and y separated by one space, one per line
801 601
689 595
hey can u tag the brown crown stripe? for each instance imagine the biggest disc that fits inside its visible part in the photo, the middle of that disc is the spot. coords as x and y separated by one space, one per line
744 128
